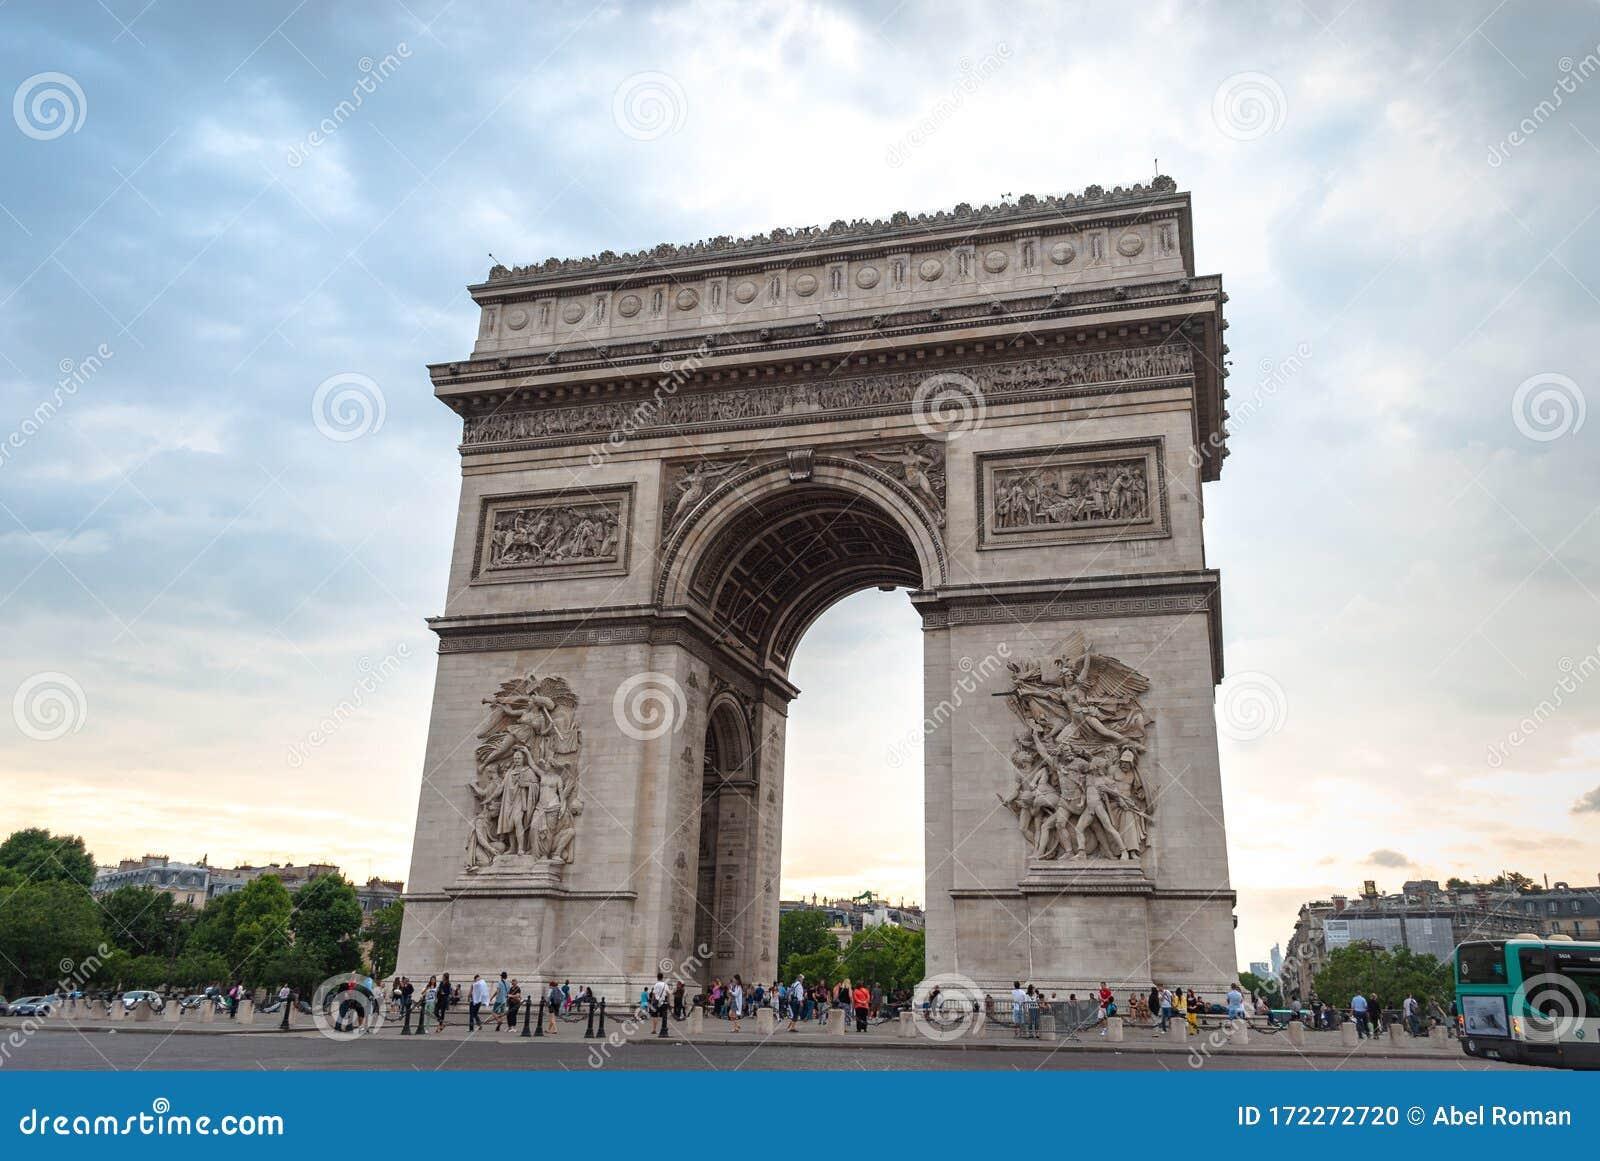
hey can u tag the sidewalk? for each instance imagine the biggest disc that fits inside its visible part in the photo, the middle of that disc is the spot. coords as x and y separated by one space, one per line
1139 1041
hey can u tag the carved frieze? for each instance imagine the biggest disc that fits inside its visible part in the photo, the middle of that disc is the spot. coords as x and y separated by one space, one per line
1090 492
891 390
550 535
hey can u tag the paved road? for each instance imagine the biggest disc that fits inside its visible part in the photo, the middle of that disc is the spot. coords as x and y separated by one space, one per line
104 1049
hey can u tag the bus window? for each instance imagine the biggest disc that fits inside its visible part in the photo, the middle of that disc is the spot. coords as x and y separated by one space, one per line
1481 963
1532 962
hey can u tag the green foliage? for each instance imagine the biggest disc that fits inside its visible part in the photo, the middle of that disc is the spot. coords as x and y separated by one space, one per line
197 969
260 928
214 928
1264 986
820 966
383 934
1392 975
47 929
41 857
889 956
142 921
802 933
290 965
1517 880
327 925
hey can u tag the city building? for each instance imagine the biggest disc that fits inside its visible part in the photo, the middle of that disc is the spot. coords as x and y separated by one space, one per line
1434 920
185 882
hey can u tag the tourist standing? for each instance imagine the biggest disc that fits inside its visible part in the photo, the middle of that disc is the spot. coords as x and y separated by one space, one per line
1019 1009
553 999
797 1001
477 997
660 991
862 999
1358 1008
514 1002
441 1003
1235 1002
735 1002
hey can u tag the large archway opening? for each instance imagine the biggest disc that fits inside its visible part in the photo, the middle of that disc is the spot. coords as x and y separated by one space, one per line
775 560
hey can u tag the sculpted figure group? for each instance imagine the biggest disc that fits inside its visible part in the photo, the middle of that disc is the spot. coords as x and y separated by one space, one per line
525 795
1080 792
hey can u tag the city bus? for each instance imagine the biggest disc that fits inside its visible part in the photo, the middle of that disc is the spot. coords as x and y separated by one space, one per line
1530 1000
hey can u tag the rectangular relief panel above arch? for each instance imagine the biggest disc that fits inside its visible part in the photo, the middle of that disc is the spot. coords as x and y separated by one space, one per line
553 535
1083 493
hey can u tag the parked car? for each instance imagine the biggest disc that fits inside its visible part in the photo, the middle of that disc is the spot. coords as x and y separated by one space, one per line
33 1006
192 1003
130 1000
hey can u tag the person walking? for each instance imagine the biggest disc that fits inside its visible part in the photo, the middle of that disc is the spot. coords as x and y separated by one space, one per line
1411 1011
735 1002
441 1003
553 998
477 997
1358 1008
660 993
502 990
1166 1004
797 1001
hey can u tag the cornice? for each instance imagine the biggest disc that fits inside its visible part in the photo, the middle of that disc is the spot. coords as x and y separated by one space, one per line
785 244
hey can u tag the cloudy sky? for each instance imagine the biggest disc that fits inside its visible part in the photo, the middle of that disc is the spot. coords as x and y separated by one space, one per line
1402 199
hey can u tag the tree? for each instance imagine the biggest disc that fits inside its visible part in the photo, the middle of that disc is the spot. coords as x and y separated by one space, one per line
1266 987
327 924
291 965
802 933
260 928
818 966
382 934
892 957
1367 968
199 969
141 921
41 857
49 932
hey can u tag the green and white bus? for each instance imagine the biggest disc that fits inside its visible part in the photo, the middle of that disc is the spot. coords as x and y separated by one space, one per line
1530 1000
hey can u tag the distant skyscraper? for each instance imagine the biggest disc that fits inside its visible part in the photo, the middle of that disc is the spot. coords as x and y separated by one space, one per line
1277 960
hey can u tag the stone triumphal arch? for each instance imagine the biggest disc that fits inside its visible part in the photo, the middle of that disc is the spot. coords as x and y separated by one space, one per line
674 461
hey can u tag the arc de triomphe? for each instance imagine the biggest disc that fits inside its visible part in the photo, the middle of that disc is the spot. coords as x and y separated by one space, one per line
674 461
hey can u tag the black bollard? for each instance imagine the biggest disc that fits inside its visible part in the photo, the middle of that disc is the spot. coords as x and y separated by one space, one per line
422 1019
539 1031
588 1029
527 1013
287 1004
602 1017
405 1021
666 1017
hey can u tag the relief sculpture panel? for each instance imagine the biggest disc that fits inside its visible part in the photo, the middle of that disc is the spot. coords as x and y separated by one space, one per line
538 536
1091 492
